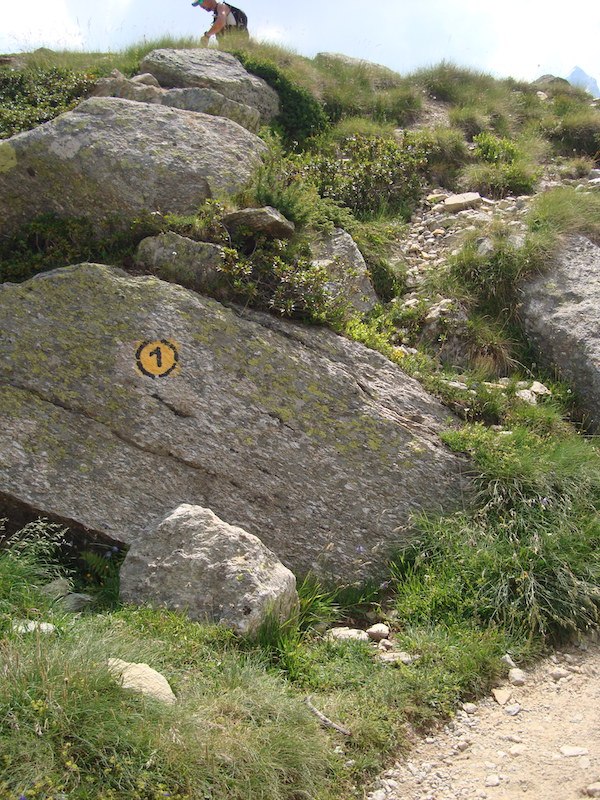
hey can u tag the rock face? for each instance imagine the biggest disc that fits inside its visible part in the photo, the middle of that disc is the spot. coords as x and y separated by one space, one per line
206 101
194 562
212 69
561 316
111 157
122 398
349 279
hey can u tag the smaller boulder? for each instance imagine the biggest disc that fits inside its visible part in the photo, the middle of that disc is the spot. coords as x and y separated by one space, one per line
177 259
265 220
349 278
141 678
461 202
378 632
194 562
346 634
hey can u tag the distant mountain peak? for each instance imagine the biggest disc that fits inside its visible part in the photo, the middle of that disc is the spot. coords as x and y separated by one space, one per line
584 81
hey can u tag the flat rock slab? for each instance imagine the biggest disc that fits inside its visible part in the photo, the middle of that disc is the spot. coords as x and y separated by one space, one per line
461 202
561 316
112 159
123 397
212 69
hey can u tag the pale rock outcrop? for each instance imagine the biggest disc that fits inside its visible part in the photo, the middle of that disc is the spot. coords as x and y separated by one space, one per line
123 397
560 310
212 69
146 89
348 277
112 159
194 562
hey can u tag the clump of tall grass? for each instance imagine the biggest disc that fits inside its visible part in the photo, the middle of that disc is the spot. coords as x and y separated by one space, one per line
527 560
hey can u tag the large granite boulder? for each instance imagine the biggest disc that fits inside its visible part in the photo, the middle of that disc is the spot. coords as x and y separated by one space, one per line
561 316
212 69
123 397
194 562
206 101
111 159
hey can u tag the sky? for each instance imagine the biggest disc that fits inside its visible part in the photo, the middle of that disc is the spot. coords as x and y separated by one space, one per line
519 38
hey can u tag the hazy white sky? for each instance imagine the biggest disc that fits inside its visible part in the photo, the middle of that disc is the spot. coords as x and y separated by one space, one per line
522 38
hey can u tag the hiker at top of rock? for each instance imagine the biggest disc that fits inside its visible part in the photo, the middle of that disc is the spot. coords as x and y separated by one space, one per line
227 19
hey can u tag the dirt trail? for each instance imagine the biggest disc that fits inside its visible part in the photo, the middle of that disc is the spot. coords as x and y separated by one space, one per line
543 743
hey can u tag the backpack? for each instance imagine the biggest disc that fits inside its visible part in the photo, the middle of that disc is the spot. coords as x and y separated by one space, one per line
241 20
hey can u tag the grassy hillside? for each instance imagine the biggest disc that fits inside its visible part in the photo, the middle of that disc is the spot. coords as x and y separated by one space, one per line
361 147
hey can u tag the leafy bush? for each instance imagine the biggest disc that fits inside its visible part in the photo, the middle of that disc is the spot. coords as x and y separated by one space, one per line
494 149
445 152
369 175
32 96
301 116
280 277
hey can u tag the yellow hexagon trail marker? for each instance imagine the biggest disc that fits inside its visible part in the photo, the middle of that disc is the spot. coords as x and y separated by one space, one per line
158 358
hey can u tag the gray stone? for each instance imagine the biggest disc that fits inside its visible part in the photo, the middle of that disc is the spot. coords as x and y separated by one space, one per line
492 780
57 588
593 790
206 101
398 657
517 677
76 601
178 259
461 202
141 678
319 446
265 220
378 632
212 69
111 159
469 708
33 626
573 752
345 634
194 562
561 315
349 279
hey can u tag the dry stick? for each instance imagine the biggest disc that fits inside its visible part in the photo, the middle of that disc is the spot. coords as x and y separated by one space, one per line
324 720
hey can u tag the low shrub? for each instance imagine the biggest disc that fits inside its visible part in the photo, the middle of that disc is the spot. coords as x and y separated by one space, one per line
494 149
369 175
30 97
445 152
301 115
48 242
